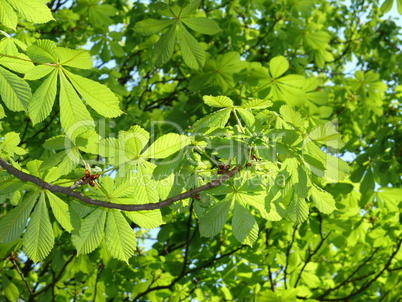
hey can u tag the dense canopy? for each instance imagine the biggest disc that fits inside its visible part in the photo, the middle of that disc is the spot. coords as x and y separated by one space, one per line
197 150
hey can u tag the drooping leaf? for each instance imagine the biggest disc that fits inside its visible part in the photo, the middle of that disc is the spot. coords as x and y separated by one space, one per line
60 211
13 223
43 99
324 201
244 226
15 92
119 236
297 210
91 232
39 238
192 52
163 49
213 221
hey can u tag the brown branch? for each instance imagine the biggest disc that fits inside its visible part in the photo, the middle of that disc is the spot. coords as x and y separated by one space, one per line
124 207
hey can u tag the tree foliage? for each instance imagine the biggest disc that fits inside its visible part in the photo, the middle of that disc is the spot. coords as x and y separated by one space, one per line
200 150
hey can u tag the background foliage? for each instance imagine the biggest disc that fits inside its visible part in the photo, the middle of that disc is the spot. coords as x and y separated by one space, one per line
284 116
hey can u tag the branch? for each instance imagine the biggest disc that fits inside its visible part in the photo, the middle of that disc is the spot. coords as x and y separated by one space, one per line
124 207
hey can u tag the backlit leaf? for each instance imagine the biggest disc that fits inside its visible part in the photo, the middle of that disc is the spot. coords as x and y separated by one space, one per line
217 101
60 211
192 52
166 145
213 221
244 226
15 92
324 201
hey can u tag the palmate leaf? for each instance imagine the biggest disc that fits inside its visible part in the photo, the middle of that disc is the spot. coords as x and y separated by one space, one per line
192 52
74 116
166 145
39 238
15 92
213 221
98 96
244 226
14 222
73 58
43 99
91 232
60 211
120 237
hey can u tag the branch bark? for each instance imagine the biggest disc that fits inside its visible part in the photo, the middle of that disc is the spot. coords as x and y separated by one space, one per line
124 207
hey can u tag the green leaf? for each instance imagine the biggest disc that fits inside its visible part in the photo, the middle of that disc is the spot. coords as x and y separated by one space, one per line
146 219
190 8
297 210
99 15
246 116
389 198
32 10
217 101
163 49
399 5
98 96
42 51
151 26
202 25
166 145
327 134
43 99
386 6
292 116
15 92
324 201
213 221
245 228
38 72
39 238
7 15
120 237
10 289
13 223
278 66
217 119
60 211
256 104
74 116
73 58
9 144
192 52
91 232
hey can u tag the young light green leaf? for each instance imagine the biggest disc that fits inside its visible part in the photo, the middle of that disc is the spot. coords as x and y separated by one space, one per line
7 15
9 144
192 52
73 58
245 228
297 210
257 104
98 96
278 66
151 26
18 65
324 201
13 223
43 99
292 116
39 238
35 11
146 219
91 233
217 101
213 221
60 211
166 145
202 25
15 92
327 134
74 116
120 237
163 49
